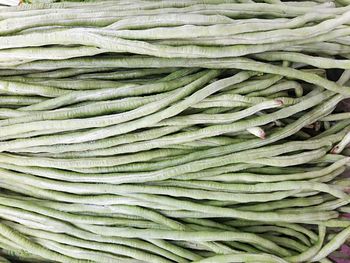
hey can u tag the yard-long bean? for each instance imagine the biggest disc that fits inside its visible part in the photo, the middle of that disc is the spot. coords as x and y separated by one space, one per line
174 131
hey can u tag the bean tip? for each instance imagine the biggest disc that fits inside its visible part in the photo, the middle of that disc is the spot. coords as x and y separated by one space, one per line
262 135
279 102
335 149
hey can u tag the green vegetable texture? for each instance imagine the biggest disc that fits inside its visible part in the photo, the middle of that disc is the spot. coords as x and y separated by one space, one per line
164 131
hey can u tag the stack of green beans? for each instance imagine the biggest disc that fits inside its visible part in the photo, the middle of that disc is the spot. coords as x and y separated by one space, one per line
174 131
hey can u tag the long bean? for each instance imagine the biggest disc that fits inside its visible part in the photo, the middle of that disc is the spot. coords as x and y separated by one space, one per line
108 120
249 177
130 189
292 202
190 31
241 63
174 131
27 89
17 101
218 151
115 249
337 241
77 252
210 162
34 247
243 257
193 236
210 131
91 109
123 91
136 244
319 62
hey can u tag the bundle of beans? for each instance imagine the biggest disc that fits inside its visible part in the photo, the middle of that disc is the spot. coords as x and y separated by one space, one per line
174 131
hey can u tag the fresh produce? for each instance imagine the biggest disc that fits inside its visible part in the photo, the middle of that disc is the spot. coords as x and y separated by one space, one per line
174 131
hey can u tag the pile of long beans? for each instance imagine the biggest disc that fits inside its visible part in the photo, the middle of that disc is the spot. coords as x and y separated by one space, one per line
174 131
